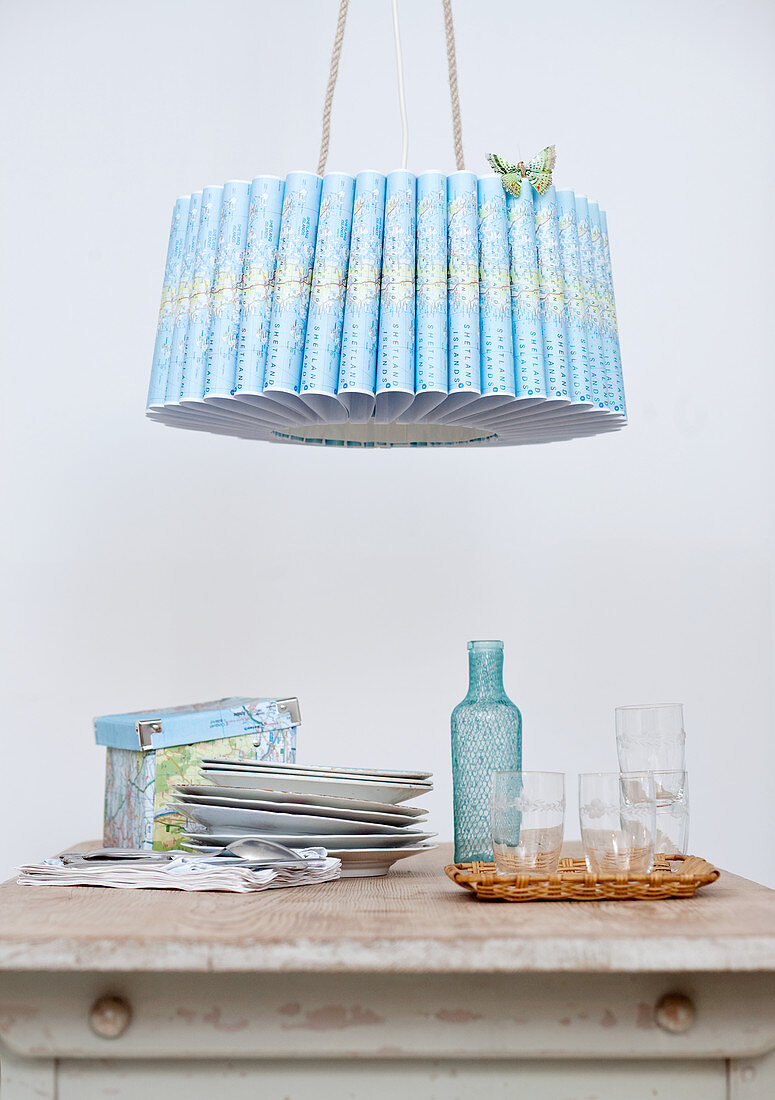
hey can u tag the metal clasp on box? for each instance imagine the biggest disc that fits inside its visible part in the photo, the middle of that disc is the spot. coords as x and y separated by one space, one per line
290 706
145 732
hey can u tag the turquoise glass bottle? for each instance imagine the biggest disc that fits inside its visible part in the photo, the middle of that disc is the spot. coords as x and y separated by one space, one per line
486 737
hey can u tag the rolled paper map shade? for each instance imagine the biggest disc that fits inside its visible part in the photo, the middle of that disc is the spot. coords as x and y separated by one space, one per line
381 311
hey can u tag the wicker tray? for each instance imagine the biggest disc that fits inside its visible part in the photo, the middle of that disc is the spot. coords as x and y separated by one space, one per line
574 883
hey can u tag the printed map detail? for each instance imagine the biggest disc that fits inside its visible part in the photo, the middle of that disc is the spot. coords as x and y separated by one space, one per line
329 280
497 349
130 780
432 367
227 290
575 305
361 311
551 292
138 785
266 200
463 285
397 305
293 278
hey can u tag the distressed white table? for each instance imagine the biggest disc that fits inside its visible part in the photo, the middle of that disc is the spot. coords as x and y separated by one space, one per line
393 987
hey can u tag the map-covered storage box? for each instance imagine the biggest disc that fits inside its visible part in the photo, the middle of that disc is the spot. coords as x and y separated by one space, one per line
149 752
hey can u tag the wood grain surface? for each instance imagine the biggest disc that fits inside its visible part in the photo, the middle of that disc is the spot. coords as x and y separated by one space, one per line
413 919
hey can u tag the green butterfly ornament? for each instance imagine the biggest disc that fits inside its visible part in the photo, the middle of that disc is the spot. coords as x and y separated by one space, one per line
537 171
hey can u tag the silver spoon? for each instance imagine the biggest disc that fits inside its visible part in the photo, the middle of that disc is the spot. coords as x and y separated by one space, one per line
262 851
253 847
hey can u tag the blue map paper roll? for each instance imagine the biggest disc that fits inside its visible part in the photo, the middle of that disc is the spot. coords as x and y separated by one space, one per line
201 291
613 375
266 207
157 388
611 306
496 340
550 286
220 376
293 279
463 284
431 359
525 297
575 305
183 304
464 372
323 345
595 351
395 358
358 367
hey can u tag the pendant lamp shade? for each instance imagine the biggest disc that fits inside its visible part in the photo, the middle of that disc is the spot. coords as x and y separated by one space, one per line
394 310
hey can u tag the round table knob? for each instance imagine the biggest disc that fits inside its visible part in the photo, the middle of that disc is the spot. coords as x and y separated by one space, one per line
675 1013
110 1017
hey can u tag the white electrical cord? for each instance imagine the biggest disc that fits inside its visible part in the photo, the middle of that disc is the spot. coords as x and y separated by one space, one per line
457 129
401 92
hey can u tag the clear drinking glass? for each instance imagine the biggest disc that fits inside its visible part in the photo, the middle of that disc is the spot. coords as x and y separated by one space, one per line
617 813
672 798
527 818
651 738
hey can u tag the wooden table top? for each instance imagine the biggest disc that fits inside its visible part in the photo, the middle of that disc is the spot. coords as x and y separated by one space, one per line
414 919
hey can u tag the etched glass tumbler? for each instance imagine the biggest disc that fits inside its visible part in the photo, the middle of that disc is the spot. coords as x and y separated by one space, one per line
617 813
651 738
527 816
671 790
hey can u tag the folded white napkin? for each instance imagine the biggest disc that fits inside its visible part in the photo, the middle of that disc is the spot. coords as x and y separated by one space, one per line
182 872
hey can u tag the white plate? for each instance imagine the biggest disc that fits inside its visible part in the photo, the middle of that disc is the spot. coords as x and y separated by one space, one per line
272 820
365 863
317 769
315 784
278 770
326 801
222 796
366 841
356 862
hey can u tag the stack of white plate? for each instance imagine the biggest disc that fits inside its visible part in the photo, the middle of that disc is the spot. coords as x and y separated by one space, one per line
357 816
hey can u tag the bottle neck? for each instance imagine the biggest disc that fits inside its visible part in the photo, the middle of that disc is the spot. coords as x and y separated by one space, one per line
485 674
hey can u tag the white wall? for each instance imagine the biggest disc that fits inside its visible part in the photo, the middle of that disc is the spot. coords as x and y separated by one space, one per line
145 566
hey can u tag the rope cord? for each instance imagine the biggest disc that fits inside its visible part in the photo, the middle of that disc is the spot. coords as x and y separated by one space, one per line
333 72
457 126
